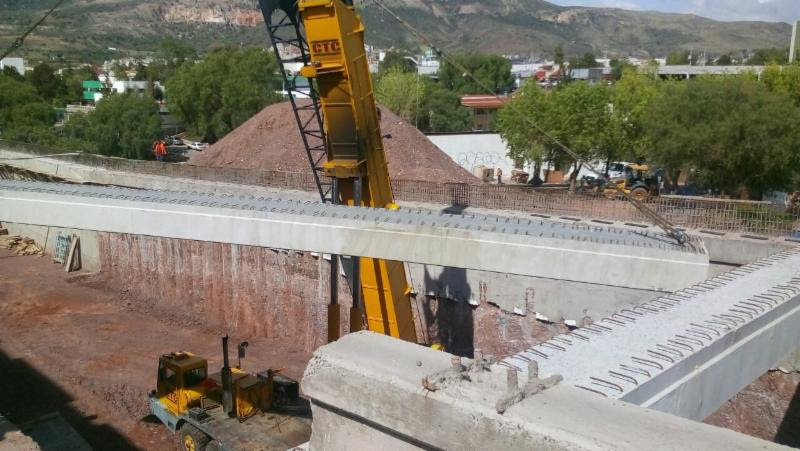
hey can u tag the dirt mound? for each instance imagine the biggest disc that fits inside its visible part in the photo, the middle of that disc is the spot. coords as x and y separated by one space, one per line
270 140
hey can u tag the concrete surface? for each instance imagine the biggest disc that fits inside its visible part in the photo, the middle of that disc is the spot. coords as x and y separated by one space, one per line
600 255
46 237
724 248
688 352
12 439
551 299
366 392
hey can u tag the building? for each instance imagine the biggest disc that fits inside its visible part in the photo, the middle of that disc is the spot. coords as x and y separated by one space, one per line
134 86
92 91
693 71
17 63
484 109
591 75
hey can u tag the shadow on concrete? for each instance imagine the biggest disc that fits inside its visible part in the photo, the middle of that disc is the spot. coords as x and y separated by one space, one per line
789 430
454 209
28 395
448 315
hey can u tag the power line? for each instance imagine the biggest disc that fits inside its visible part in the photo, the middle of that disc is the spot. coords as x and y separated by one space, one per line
660 221
21 39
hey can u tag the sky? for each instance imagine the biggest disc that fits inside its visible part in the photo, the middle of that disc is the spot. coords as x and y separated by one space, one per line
767 10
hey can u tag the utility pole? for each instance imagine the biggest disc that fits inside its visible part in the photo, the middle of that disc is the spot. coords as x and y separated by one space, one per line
793 44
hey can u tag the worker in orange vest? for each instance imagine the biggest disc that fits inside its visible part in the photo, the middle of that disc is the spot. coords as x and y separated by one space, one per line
160 149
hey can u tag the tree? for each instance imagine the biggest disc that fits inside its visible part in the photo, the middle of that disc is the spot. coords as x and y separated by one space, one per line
762 57
736 135
124 125
577 115
402 92
783 79
558 60
46 82
631 97
396 59
724 60
618 66
442 111
587 60
73 79
22 110
422 102
679 58
215 96
493 71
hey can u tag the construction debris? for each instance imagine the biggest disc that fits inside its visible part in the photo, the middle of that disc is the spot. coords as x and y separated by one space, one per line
20 245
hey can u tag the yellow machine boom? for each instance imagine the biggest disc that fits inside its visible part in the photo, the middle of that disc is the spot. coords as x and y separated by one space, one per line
355 160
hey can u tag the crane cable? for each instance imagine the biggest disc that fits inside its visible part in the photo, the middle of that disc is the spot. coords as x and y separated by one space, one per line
660 221
21 39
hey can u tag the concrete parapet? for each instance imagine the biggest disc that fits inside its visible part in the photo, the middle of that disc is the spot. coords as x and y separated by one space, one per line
367 392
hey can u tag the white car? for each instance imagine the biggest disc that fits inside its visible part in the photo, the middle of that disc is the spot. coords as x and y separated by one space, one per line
196 145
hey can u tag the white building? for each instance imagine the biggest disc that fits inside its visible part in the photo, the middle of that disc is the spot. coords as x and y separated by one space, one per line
131 86
17 63
471 150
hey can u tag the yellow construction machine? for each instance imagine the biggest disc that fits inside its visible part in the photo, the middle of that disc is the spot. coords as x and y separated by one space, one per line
231 409
340 126
636 180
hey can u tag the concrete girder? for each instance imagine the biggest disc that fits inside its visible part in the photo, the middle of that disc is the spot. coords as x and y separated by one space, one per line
367 391
688 352
591 254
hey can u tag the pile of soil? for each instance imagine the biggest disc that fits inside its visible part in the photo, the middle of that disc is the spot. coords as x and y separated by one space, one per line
270 140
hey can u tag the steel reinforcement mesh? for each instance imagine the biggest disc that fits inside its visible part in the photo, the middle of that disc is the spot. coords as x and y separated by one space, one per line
720 215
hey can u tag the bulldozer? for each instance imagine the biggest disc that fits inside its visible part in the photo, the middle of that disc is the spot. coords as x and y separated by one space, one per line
637 180
231 409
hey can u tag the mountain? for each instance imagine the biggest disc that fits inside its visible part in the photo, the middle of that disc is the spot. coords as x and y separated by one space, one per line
85 29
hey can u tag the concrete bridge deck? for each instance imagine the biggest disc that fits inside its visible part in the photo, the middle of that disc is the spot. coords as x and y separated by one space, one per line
535 247
688 352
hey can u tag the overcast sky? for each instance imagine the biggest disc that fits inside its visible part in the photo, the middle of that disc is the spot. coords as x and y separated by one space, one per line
769 10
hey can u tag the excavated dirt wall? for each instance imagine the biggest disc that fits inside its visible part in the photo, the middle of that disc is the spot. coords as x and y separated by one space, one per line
262 292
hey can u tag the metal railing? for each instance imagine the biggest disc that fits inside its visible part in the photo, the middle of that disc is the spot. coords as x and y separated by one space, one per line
719 215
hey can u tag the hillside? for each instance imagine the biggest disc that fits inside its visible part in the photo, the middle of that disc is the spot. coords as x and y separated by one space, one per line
87 28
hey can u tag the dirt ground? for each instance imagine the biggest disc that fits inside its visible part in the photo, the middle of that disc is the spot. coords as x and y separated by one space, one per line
68 345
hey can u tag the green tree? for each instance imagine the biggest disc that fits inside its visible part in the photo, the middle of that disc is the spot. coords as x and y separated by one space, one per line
47 83
736 135
578 115
22 110
442 111
619 66
762 57
724 60
397 59
783 79
73 79
587 60
215 96
679 58
631 98
493 71
402 92
124 125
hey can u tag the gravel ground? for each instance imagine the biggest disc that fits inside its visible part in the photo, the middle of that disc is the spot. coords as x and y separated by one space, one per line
71 346
270 140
